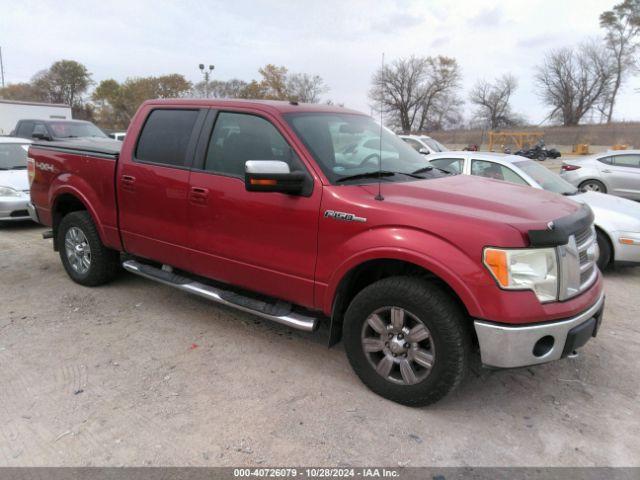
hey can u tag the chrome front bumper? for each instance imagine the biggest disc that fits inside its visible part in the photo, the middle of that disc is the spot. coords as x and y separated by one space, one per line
518 346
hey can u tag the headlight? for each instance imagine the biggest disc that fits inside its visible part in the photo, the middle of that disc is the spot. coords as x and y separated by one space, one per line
525 269
9 192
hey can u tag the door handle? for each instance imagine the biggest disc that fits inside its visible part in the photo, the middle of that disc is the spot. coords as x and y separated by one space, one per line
199 195
128 182
606 171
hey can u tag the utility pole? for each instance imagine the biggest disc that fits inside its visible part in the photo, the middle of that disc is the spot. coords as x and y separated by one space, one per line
1 68
207 74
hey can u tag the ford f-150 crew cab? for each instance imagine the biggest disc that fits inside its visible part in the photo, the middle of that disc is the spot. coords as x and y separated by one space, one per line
274 208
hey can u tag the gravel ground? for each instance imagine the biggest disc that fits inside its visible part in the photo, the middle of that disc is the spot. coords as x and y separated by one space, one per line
136 373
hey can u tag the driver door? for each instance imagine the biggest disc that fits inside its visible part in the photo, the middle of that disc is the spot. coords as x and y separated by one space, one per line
262 241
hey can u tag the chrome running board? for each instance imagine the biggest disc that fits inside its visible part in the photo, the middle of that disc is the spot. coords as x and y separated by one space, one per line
280 312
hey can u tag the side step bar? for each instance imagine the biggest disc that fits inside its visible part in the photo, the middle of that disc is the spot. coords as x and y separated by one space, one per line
279 312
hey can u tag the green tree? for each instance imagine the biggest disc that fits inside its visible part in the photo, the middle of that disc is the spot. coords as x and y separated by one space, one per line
64 82
622 25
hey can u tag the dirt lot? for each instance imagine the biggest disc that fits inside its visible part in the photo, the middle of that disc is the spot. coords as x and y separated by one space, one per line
136 373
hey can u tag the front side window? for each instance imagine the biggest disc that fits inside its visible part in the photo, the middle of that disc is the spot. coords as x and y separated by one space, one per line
453 165
417 146
482 168
165 137
239 137
348 147
627 161
13 156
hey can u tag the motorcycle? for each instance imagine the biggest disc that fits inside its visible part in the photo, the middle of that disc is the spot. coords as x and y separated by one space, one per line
539 152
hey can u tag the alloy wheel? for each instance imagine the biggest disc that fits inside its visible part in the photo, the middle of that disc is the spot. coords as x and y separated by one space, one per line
398 345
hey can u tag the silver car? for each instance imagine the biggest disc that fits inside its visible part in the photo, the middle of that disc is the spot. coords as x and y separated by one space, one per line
617 220
615 172
423 144
14 180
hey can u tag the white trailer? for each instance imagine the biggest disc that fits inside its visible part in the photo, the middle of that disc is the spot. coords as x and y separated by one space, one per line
11 111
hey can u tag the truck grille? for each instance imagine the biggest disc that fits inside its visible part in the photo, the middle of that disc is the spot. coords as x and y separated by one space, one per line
587 252
578 263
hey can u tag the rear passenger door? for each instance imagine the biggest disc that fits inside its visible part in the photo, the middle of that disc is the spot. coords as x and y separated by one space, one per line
624 175
153 185
265 242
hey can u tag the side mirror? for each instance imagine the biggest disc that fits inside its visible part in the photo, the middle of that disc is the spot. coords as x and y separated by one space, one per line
272 176
424 151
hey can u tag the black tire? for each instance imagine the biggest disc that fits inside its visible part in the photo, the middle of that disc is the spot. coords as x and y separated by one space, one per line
104 263
593 186
542 157
438 311
604 245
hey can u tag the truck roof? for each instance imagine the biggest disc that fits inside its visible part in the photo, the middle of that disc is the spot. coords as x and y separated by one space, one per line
40 104
273 106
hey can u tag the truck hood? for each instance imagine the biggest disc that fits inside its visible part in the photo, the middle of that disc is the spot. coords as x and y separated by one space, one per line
16 179
522 207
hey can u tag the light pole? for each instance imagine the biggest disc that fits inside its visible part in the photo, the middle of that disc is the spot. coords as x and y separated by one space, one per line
207 74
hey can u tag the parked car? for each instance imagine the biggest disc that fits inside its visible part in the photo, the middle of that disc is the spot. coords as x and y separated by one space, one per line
617 220
58 130
118 135
14 183
12 111
247 204
423 144
615 172
539 152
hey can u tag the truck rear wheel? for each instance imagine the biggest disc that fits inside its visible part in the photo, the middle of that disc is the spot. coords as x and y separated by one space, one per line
406 339
84 257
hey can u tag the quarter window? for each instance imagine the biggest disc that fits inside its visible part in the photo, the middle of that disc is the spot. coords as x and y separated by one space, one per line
239 137
606 160
496 171
165 137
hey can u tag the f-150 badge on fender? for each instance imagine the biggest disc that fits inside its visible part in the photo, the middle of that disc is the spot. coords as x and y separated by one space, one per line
345 217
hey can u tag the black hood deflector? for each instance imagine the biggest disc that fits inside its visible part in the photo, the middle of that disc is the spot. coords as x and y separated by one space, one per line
562 228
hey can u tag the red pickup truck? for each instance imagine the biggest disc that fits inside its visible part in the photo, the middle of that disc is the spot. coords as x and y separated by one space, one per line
304 213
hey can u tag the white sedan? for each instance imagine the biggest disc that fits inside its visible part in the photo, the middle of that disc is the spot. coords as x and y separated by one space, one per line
14 181
617 220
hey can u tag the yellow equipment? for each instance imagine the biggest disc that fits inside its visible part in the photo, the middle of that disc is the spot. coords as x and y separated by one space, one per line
581 149
520 139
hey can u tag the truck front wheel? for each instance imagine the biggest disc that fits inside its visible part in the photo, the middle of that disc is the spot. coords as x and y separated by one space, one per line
84 257
406 339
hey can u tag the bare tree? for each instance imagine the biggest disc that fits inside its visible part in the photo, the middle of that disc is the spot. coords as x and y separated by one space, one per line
397 89
410 90
439 90
220 88
622 24
573 81
492 100
305 88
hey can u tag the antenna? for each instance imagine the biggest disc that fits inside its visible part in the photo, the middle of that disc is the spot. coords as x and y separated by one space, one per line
379 195
1 68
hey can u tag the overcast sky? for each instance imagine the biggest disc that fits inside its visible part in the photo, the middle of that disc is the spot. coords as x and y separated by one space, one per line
342 41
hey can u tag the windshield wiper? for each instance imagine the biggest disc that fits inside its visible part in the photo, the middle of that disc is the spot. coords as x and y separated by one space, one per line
18 167
378 174
569 194
429 168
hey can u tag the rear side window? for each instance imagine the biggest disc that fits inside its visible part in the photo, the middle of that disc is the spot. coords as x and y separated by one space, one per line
25 129
627 161
606 160
165 137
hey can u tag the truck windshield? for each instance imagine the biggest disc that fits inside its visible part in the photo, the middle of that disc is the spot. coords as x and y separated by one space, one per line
13 156
349 145
75 130
546 178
